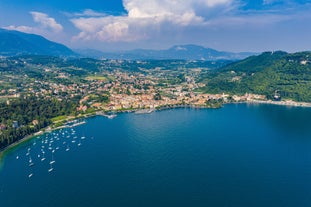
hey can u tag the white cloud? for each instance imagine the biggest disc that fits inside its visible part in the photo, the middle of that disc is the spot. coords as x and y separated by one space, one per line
143 18
46 22
21 28
213 3
157 21
45 25
86 13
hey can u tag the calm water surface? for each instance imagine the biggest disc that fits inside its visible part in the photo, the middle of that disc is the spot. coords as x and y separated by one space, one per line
237 156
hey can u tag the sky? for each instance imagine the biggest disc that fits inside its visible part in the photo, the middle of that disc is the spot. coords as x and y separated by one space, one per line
112 25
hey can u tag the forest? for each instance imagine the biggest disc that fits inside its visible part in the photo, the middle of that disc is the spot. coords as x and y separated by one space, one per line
287 74
26 115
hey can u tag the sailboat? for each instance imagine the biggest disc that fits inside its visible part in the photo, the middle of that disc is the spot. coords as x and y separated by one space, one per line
51 168
28 152
42 159
52 161
30 162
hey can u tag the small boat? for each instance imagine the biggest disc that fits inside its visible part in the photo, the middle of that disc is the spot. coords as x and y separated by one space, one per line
144 111
17 157
51 167
111 116
30 175
52 162
30 162
67 149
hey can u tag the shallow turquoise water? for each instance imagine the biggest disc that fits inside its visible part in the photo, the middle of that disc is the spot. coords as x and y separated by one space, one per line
237 156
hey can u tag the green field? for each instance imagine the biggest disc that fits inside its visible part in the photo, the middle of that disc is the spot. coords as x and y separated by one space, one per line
102 78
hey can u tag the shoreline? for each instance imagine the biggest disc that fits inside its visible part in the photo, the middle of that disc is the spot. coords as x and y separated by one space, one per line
45 130
160 108
281 103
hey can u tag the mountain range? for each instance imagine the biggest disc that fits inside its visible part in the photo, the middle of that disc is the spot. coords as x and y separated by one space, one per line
13 43
178 52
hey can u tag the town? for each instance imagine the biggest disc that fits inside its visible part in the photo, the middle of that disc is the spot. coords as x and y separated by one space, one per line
113 90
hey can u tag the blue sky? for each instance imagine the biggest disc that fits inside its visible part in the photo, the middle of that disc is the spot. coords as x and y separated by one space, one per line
231 25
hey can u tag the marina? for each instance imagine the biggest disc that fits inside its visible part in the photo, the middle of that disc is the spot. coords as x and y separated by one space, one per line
50 143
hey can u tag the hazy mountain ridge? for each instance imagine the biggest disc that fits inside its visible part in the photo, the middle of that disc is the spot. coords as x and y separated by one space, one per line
14 43
178 52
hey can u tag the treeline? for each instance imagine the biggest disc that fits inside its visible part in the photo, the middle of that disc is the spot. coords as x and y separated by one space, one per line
27 115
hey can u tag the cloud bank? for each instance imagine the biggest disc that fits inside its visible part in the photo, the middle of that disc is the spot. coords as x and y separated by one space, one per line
144 18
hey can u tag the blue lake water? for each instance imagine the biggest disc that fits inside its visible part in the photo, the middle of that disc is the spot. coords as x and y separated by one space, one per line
237 156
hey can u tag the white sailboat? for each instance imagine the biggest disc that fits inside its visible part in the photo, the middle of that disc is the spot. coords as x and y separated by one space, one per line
30 162
52 160
51 168
43 157
28 152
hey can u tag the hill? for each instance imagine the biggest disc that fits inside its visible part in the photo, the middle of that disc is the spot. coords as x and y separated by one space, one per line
287 74
14 43
179 52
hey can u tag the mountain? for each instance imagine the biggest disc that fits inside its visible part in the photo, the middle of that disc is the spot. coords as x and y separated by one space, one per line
288 74
179 52
14 43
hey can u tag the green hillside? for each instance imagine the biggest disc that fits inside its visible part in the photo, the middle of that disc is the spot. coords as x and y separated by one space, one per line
289 74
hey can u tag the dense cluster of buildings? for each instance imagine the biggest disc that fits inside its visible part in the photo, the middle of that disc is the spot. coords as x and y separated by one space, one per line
122 90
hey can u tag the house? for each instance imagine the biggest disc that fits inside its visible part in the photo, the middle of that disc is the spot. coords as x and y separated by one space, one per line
15 124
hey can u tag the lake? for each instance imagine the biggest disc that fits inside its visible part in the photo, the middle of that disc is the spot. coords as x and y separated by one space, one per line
237 156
